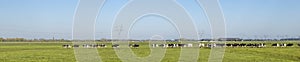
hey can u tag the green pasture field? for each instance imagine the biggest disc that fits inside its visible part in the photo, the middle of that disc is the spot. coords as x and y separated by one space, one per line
53 52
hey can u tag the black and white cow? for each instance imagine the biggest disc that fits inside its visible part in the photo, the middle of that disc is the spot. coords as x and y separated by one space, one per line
135 45
279 45
235 45
289 45
250 45
282 45
171 45
190 45
275 45
75 46
262 45
243 45
228 45
95 45
154 45
201 45
101 45
115 45
256 45
66 46
211 45
181 45
87 46
162 45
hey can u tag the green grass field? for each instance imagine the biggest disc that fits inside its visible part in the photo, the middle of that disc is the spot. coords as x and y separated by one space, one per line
53 52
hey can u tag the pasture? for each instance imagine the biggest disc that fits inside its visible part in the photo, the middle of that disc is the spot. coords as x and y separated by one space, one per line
53 52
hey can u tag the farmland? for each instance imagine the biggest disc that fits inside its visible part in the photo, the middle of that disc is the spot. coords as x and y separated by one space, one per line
53 52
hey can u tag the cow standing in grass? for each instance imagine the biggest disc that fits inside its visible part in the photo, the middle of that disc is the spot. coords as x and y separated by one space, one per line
95 45
243 45
75 46
155 45
235 45
102 45
189 45
282 45
201 45
115 45
181 45
275 45
134 45
256 45
171 45
211 45
86 46
228 45
250 45
161 45
289 45
66 46
262 45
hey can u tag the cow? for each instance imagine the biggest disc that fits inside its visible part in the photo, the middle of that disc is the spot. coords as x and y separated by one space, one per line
87 46
115 45
299 44
154 45
211 45
249 45
289 45
243 45
66 46
102 45
275 45
201 45
171 45
282 45
235 45
256 45
135 45
228 45
181 45
176 45
189 45
162 45
262 45
95 45
75 46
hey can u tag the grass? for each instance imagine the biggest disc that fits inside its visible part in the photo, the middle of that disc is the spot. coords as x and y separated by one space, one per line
53 52
35 52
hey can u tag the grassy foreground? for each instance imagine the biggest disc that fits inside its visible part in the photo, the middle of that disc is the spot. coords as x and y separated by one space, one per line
53 52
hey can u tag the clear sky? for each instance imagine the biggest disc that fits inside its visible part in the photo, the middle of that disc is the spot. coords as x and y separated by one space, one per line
244 18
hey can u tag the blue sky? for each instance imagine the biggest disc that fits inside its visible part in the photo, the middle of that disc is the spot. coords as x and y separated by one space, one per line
244 18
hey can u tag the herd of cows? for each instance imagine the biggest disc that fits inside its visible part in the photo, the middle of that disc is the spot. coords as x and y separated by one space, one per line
200 45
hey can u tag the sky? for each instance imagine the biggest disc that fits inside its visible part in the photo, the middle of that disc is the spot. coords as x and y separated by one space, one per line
244 18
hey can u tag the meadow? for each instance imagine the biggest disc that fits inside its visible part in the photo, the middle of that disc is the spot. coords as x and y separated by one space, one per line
53 52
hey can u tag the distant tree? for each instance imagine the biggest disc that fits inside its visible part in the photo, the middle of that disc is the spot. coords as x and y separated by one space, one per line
1 39
15 39
62 40
19 39
42 39
35 39
10 39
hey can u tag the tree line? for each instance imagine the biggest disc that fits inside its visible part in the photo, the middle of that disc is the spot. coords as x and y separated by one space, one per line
28 40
